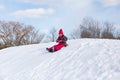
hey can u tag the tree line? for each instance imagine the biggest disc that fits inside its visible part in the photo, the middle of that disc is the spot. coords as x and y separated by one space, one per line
15 33
90 28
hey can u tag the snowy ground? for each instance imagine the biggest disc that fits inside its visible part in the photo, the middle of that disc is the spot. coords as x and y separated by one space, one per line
83 59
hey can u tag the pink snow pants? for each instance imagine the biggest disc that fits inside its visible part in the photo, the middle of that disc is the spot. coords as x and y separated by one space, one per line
57 47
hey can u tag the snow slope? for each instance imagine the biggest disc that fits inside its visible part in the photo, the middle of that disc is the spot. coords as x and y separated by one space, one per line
83 59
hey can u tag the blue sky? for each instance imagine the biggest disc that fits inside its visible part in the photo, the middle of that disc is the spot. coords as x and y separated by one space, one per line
66 14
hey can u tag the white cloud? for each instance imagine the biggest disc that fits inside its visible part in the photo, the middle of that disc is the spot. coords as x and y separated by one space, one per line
33 13
110 2
2 7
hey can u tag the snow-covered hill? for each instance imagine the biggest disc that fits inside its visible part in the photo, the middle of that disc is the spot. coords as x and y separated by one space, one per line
83 59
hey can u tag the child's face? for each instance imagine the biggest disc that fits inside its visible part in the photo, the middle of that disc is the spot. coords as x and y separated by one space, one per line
60 35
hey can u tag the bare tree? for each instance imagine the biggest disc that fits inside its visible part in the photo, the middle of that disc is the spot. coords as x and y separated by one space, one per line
108 31
117 35
84 32
15 33
76 34
53 34
36 37
89 28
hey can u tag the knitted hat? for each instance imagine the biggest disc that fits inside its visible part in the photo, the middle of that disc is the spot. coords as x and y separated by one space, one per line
61 31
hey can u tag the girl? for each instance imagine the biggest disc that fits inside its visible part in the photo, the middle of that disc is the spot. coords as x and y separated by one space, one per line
61 40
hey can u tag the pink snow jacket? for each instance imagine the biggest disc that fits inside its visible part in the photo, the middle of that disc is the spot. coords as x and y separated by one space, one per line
62 40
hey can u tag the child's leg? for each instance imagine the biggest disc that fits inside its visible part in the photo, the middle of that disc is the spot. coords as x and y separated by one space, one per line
58 47
52 49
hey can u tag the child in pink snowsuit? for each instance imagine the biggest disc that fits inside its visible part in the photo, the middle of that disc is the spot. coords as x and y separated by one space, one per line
61 40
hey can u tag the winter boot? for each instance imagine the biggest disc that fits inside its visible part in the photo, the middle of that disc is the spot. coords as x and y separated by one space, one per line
48 49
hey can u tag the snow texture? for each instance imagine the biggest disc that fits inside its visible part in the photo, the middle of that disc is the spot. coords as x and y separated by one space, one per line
83 59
